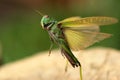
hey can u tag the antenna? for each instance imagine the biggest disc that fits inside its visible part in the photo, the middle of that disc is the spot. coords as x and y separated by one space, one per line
37 11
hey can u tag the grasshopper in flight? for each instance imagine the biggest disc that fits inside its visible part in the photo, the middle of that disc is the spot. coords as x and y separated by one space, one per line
75 33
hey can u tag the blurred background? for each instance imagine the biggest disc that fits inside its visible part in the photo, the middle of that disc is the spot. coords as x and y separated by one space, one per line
21 34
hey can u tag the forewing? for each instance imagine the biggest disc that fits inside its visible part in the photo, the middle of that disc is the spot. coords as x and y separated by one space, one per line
88 21
81 38
70 19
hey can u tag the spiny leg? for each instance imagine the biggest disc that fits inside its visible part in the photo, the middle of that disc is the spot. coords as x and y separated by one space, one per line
52 42
50 49
66 66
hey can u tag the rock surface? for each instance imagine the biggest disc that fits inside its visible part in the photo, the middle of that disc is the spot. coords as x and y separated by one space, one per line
97 64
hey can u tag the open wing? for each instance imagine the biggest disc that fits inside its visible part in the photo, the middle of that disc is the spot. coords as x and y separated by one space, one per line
81 38
83 32
70 19
78 22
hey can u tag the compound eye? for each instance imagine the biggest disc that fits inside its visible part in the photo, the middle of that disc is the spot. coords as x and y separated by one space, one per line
46 16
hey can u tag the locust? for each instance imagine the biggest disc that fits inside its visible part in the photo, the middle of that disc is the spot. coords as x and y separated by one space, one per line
75 33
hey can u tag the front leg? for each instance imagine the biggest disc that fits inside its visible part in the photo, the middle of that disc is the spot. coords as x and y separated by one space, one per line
52 43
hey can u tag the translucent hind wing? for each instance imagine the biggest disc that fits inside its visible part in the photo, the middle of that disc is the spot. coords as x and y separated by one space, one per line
78 40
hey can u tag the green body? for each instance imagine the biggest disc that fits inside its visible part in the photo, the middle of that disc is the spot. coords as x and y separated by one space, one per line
56 33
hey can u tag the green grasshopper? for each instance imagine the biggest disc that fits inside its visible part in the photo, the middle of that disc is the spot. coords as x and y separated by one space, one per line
75 33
